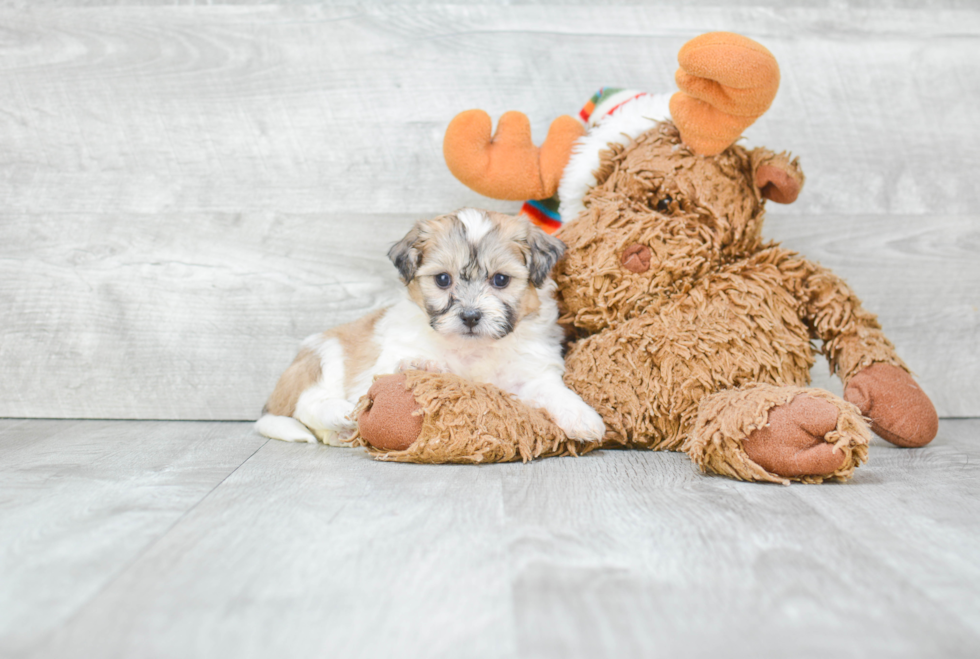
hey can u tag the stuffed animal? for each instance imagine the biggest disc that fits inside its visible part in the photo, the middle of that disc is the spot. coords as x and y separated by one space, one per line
690 331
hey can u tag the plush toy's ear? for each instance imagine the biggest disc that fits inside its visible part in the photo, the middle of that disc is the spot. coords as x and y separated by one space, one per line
777 177
508 165
726 82
543 253
406 256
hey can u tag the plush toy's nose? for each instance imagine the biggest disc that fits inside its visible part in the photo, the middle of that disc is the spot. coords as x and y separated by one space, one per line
636 258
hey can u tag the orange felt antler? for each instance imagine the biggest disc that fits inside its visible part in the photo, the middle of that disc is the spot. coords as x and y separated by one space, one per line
727 81
508 165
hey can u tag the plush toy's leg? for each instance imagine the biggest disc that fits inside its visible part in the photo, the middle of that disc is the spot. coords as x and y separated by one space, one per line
763 432
440 417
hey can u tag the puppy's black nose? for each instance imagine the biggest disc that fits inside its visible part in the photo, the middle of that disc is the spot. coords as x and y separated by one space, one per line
470 317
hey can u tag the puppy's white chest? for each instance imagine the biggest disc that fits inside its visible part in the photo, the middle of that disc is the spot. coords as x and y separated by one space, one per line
405 336
480 364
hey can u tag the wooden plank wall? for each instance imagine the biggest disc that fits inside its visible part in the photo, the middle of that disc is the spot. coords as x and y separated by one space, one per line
188 191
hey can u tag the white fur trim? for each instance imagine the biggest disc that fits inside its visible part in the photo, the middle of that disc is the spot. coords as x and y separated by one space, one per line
621 127
610 103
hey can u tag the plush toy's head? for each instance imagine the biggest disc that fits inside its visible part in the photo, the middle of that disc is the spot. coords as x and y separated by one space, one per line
659 218
650 203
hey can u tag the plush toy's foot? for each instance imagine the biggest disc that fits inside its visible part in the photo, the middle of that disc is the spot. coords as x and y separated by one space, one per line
792 441
762 432
439 417
898 408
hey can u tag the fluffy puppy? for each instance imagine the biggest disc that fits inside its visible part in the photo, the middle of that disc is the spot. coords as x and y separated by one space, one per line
479 304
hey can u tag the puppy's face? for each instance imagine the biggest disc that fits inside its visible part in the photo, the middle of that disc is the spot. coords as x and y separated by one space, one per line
474 272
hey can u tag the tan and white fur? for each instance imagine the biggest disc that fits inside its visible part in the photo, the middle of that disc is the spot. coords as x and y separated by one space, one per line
479 304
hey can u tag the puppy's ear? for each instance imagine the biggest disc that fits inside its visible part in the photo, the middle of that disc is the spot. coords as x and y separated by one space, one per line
544 252
406 255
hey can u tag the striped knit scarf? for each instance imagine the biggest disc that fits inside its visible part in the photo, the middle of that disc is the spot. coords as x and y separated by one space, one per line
544 212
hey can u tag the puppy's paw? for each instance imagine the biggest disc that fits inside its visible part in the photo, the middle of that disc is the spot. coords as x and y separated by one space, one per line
572 414
337 425
332 414
581 423
427 365
339 437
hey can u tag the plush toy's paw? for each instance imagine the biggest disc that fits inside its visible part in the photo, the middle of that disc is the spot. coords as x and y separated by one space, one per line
427 365
389 422
792 443
899 410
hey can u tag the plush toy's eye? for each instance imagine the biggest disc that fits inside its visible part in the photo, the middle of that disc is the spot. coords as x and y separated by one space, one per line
664 204
500 281
443 280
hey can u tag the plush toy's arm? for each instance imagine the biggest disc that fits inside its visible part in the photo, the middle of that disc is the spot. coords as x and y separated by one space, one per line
874 376
441 417
851 335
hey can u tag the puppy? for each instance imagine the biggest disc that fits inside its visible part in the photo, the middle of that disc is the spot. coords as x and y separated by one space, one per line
479 304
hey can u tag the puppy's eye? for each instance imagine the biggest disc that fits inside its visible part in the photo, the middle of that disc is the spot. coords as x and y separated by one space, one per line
664 204
500 281
443 280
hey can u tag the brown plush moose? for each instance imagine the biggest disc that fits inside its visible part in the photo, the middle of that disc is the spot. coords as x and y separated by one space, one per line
691 332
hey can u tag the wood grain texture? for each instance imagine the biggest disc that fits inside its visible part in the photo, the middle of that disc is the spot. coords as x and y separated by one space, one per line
921 276
822 4
313 109
81 500
317 551
178 316
190 190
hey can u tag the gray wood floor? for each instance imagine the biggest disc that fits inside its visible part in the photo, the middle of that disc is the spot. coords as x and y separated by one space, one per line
171 539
